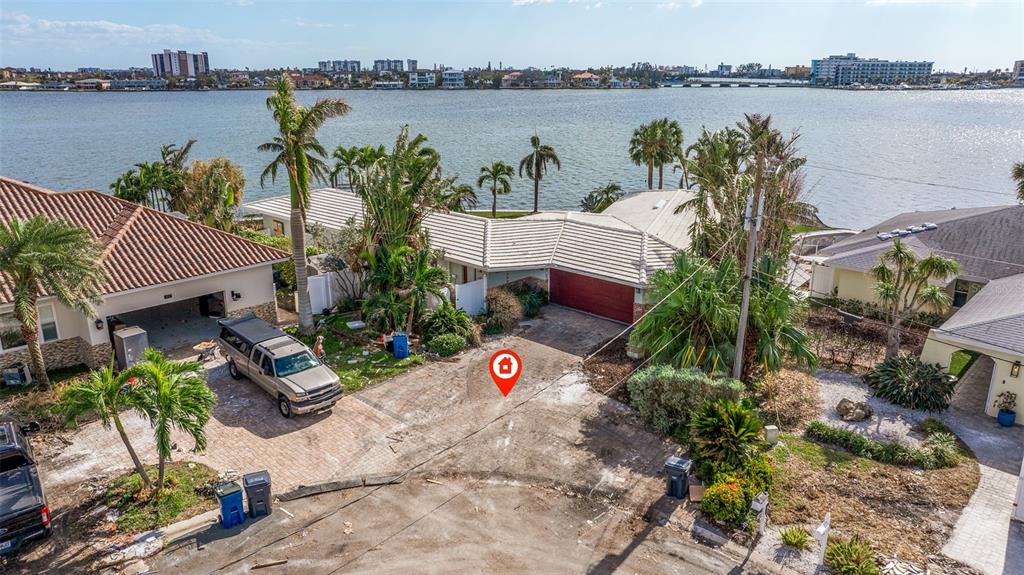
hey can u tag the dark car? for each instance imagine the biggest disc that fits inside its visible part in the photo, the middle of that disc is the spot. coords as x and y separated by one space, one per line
24 514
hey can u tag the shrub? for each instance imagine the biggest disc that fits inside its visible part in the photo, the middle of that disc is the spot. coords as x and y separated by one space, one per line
909 382
503 309
530 297
851 557
448 319
447 344
759 475
666 396
724 431
725 500
796 537
942 452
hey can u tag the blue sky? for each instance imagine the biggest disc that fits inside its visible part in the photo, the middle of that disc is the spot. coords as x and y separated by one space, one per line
580 33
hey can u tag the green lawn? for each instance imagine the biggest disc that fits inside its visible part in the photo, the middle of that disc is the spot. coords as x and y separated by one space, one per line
359 365
821 456
187 492
501 214
961 361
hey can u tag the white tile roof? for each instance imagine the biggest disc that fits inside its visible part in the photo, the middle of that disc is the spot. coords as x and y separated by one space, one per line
995 316
600 245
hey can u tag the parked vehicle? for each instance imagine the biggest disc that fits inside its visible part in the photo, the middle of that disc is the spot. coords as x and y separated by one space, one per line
24 514
282 365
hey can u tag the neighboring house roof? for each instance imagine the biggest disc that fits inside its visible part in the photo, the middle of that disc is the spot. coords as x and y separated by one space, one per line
988 242
141 247
602 245
654 213
994 316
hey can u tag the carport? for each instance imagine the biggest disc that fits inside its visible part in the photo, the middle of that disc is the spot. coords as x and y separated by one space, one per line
176 324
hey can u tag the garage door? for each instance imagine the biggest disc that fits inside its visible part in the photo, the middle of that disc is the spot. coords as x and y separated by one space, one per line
599 297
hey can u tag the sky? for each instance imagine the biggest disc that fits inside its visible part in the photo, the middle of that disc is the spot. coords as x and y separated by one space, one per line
955 34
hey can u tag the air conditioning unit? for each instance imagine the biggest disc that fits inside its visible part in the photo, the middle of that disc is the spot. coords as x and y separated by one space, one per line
129 343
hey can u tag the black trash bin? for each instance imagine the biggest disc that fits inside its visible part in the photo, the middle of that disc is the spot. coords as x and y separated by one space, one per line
677 470
257 493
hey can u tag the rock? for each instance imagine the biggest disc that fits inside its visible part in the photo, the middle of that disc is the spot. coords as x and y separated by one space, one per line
849 410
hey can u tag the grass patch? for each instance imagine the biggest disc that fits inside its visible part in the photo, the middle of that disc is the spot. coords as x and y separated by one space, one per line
187 492
961 361
500 214
377 365
823 457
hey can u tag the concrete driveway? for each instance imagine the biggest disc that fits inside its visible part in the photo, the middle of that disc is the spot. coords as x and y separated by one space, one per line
552 478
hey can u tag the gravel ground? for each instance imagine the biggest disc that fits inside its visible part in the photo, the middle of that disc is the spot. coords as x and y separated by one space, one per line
889 423
804 562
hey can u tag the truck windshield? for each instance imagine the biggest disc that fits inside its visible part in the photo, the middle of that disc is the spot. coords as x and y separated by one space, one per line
302 361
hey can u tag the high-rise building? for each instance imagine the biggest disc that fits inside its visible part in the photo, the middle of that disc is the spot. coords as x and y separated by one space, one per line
411 64
349 66
724 70
849 69
180 64
388 66
1018 72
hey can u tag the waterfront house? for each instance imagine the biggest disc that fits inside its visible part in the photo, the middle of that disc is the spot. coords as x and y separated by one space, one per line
513 80
388 85
453 79
987 295
597 263
170 276
586 80
422 79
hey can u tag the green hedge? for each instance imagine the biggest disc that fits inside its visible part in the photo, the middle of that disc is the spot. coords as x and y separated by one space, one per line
940 449
666 396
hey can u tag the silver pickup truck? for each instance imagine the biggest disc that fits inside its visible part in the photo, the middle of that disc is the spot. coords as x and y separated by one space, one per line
282 365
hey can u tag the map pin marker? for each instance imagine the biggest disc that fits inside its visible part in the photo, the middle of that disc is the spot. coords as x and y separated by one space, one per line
505 367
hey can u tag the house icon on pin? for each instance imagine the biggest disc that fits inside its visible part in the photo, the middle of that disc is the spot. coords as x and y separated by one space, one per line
505 365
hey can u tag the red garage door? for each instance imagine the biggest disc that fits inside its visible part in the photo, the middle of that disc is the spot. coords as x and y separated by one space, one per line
599 297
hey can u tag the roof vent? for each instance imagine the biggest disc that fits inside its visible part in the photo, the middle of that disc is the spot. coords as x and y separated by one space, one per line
659 205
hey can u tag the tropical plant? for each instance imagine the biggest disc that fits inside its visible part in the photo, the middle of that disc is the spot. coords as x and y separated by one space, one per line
497 177
796 537
173 395
907 381
1018 176
599 199
106 395
536 165
884 452
644 149
904 286
42 256
725 500
212 192
503 309
670 142
448 319
422 280
447 345
300 154
149 184
1006 401
725 432
346 161
459 198
942 449
666 396
850 557
532 298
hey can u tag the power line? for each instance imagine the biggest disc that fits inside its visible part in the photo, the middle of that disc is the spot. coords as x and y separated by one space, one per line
909 181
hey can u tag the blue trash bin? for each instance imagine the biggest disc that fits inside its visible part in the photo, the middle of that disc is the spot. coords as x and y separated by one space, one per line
400 342
230 497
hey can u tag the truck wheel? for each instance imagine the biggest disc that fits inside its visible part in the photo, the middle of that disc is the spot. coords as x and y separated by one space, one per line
284 406
233 370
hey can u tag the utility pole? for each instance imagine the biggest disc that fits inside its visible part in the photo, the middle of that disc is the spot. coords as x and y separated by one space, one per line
753 221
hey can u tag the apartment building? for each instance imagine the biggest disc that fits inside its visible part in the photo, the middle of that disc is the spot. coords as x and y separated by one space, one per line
1018 72
388 66
849 69
344 66
422 79
180 64
453 79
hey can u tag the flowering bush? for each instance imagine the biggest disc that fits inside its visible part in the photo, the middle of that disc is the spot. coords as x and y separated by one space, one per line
725 500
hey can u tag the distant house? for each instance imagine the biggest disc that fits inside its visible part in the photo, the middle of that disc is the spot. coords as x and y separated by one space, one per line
513 80
453 79
388 85
597 263
422 79
165 274
307 82
586 80
987 295
92 84
13 85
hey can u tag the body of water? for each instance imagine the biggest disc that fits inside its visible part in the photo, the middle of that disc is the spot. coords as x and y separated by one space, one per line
870 154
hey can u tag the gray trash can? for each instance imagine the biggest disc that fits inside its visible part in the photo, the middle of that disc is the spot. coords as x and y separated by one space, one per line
677 470
257 493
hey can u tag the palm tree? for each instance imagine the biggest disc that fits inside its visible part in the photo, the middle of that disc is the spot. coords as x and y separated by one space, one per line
212 192
106 394
1018 176
42 256
599 199
670 140
346 160
536 165
460 198
173 395
149 184
644 149
904 288
423 280
498 176
300 154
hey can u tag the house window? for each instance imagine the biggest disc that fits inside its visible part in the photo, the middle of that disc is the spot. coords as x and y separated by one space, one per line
964 291
278 228
10 332
47 323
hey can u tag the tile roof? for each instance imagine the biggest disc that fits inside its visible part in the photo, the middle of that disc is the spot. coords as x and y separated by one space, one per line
141 247
994 316
598 244
988 242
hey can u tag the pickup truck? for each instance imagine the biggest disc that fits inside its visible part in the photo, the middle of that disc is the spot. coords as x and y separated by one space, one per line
282 365
24 514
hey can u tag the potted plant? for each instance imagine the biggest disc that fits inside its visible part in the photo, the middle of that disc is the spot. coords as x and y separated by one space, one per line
1006 402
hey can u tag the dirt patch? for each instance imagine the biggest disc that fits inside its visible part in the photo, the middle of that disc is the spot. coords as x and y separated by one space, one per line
789 399
854 345
899 511
607 369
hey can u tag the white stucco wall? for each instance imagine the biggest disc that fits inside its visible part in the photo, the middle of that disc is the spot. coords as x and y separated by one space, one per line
938 351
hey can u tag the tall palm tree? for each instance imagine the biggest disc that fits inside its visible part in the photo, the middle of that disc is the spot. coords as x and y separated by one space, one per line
460 198
669 136
536 165
173 395
1018 176
346 160
42 256
301 155
497 176
599 199
106 394
644 149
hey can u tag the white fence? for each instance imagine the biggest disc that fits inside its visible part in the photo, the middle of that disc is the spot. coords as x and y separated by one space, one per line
471 297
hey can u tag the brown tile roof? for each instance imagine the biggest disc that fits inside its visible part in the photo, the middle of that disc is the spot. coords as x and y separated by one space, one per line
141 247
